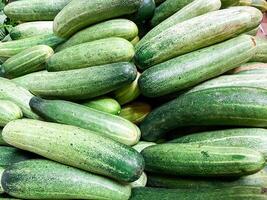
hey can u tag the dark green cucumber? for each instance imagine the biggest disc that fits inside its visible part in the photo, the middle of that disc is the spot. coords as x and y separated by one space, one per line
78 15
9 111
261 52
196 33
188 70
44 179
248 67
232 106
108 125
203 161
98 52
79 84
76 147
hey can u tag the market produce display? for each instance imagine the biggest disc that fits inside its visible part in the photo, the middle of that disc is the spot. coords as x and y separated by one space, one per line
133 100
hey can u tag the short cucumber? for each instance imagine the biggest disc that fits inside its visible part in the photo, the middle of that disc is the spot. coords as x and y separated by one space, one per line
123 28
141 182
248 67
78 15
227 106
261 52
141 145
76 147
196 33
79 84
44 179
105 124
9 111
27 61
34 10
31 29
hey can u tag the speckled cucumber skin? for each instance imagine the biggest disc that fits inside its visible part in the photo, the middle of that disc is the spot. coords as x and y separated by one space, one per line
99 52
9 111
27 61
122 28
34 10
193 68
261 52
78 15
79 84
196 33
108 125
234 106
44 179
76 147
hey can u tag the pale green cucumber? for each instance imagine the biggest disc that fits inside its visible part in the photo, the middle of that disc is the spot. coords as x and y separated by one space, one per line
1 173
9 111
261 53
79 84
2 142
98 52
260 4
248 67
140 146
253 32
76 147
135 41
141 182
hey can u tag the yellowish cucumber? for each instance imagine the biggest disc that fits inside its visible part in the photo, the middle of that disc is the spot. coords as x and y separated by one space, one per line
9 111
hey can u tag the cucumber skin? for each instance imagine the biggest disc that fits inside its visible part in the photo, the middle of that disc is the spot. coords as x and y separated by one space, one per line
197 33
99 52
141 182
235 108
193 68
101 123
248 67
79 84
27 61
9 111
78 15
44 179
2 142
83 148
261 52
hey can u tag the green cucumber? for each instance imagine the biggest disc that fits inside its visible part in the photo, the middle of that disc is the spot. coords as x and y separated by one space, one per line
228 106
135 41
253 32
44 179
78 15
9 111
31 29
196 33
198 160
1 173
123 28
2 142
261 53
104 104
141 182
34 10
140 146
248 67
260 4
79 84
27 61
193 68
105 124
98 52
17 94
76 147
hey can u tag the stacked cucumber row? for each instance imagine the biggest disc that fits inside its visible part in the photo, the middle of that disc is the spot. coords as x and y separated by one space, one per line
136 99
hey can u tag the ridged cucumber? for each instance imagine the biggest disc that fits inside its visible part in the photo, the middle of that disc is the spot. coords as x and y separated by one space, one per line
31 29
76 147
123 28
79 84
78 15
188 70
232 106
27 61
9 111
261 52
34 10
105 124
196 33
44 179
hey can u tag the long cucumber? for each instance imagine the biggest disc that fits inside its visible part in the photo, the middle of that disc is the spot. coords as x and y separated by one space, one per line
247 67
261 52
9 111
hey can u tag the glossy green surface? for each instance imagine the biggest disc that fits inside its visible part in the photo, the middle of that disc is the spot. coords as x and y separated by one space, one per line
9 111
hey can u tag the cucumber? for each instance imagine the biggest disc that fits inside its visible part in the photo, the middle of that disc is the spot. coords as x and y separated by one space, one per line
34 10
141 182
248 67
135 41
31 29
2 142
193 68
140 146
79 84
261 52
17 94
76 147
9 111
228 106
1 172
105 124
78 15
123 28
260 4
104 104
197 33
44 179
253 32
27 61
198 160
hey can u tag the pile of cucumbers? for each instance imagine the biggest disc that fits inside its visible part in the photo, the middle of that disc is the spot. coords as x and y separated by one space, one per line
133 100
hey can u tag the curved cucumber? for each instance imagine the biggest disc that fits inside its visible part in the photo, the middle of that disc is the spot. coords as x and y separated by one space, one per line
105 124
81 83
135 41
261 52
44 179
76 147
78 15
9 111
27 61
